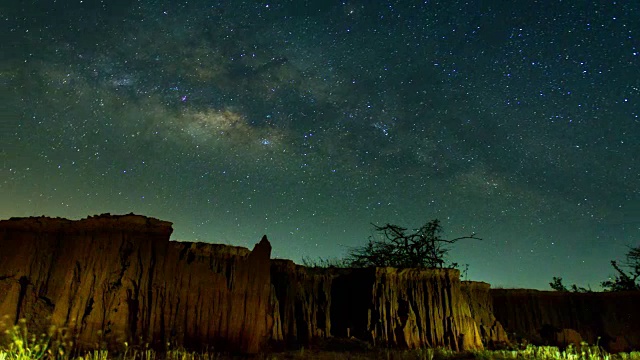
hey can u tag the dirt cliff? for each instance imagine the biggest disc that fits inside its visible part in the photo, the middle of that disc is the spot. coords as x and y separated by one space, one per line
302 302
415 308
609 319
111 279
384 306
116 279
478 296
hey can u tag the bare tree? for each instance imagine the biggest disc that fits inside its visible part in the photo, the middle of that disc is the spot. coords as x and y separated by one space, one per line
424 248
625 279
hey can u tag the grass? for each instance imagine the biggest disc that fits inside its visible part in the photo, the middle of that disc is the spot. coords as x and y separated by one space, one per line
19 344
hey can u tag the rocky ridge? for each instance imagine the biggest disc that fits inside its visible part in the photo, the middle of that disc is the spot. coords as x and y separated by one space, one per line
111 279
116 279
609 319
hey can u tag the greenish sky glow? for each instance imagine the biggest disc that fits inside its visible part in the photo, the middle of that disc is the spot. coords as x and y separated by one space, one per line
309 120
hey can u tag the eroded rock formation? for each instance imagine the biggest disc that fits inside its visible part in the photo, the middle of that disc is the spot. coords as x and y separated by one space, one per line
111 279
389 307
610 319
415 308
302 307
477 295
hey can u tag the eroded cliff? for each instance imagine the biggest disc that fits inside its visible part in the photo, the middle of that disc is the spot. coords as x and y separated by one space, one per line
610 319
302 306
478 296
415 308
111 279
384 306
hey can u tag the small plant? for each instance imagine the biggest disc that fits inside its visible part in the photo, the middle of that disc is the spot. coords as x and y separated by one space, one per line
22 345
97 355
324 262
19 344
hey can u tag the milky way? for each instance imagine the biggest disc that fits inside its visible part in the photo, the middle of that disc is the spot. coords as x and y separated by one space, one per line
309 121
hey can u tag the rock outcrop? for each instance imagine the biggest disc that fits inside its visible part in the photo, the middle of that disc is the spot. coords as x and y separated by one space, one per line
302 303
384 306
415 308
610 319
478 296
111 279
115 279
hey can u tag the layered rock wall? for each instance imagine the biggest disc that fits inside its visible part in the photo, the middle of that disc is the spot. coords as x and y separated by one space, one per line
610 319
111 279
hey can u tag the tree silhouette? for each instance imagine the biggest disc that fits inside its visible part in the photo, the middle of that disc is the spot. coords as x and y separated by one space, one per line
424 248
557 285
629 279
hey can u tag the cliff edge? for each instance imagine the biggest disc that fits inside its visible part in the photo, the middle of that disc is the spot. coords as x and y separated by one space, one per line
609 319
110 279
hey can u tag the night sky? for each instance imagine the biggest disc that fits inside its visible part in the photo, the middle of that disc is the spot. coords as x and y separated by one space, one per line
310 120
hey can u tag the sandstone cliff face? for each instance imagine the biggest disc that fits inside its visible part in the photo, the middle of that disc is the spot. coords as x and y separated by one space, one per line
111 279
213 295
416 308
385 306
609 319
478 296
302 306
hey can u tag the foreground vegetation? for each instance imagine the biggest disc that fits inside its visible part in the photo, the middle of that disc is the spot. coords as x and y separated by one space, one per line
18 344
531 352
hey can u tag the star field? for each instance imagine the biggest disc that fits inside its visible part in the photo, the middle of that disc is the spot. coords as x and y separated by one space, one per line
309 120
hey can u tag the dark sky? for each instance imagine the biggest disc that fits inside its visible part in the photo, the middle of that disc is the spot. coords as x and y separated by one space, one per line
310 120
